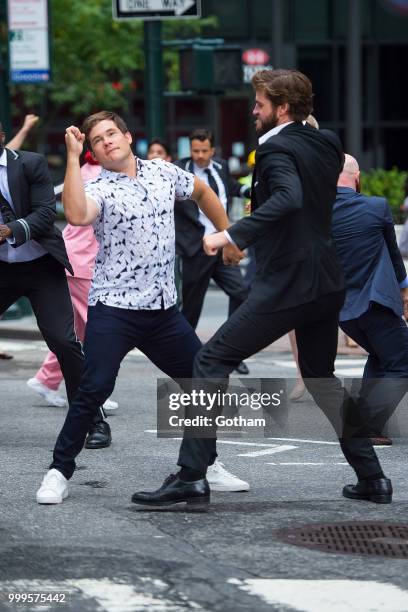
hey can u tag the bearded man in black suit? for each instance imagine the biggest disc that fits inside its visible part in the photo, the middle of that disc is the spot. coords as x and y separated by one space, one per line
298 284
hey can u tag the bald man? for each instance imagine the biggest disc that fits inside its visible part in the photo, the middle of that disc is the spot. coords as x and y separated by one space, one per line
376 294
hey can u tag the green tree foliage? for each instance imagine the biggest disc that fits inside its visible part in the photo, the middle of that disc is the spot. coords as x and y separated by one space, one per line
96 61
389 184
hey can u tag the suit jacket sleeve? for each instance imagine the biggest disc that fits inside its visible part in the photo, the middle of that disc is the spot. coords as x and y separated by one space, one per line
391 241
42 213
278 174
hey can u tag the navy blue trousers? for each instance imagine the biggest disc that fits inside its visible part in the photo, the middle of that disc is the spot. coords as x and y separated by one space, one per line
384 336
164 336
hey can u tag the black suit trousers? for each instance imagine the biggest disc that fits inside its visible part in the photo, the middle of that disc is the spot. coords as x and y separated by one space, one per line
249 331
197 271
43 281
384 336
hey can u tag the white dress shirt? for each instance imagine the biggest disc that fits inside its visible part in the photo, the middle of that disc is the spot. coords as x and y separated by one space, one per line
200 173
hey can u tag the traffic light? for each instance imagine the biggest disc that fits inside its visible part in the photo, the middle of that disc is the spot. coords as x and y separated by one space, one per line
211 69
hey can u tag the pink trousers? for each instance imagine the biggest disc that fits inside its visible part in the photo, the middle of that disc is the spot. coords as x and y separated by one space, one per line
50 373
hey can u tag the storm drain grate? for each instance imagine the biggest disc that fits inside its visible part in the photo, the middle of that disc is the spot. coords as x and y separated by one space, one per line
378 539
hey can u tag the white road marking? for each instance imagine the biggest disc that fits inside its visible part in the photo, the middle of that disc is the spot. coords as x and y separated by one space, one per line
302 440
343 367
107 595
278 448
333 595
357 372
16 345
308 463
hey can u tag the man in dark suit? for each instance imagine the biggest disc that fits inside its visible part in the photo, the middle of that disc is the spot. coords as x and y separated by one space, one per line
192 225
33 257
298 284
376 296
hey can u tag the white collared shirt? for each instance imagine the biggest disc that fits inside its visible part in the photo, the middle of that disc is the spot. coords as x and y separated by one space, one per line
273 132
200 173
134 267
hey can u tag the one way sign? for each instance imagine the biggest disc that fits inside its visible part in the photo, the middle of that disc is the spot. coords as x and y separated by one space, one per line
156 9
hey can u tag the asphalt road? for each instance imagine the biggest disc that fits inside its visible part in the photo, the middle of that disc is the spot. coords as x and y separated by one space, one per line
98 552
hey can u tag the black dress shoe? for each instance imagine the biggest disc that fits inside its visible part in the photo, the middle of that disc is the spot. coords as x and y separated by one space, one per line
378 491
195 494
99 436
242 368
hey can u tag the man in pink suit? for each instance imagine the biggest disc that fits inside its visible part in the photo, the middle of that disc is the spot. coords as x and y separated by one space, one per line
82 248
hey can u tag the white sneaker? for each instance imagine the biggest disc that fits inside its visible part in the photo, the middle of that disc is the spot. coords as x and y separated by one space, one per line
110 405
51 397
220 479
54 488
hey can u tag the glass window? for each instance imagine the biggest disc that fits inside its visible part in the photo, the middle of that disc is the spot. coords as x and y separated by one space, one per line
390 22
232 18
395 147
312 20
316 63
393 88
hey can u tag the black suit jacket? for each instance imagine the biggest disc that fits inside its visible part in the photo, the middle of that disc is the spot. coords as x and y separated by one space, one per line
293 192
33 197
189 231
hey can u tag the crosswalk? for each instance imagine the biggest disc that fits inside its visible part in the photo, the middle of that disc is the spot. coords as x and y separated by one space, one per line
148 594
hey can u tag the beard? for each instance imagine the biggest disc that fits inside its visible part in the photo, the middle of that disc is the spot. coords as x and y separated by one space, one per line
270 122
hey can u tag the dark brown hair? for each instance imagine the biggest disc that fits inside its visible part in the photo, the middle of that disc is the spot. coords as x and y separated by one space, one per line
286 86
162 143
202 134
96 118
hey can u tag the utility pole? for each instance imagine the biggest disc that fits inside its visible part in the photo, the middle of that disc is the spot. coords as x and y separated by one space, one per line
353 80
5 114
153 81
277 34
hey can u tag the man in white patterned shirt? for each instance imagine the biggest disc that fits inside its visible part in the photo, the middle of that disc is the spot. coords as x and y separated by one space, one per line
132 301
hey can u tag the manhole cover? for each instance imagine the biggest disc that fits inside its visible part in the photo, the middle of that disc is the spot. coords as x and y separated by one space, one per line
379 539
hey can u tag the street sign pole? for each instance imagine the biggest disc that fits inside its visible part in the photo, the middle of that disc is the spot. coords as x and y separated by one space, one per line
153 80
5 113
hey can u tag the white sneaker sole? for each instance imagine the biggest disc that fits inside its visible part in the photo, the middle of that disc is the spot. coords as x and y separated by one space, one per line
51 499
229 488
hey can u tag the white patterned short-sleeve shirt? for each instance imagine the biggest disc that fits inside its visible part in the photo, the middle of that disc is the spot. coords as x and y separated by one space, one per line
134 267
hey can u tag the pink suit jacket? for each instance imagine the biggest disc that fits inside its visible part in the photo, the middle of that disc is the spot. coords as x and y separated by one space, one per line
80 241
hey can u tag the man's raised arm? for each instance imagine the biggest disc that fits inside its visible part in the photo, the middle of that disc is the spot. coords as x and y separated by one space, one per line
79 209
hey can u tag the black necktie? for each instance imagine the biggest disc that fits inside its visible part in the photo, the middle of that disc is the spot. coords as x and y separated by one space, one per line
211 181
